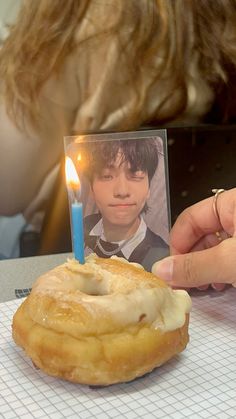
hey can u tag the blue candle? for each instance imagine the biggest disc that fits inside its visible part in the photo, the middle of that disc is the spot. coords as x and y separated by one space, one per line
77 230
74 193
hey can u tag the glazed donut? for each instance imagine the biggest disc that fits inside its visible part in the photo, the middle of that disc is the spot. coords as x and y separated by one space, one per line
103 322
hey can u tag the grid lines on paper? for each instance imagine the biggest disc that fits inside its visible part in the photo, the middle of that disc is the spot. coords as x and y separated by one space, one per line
200 383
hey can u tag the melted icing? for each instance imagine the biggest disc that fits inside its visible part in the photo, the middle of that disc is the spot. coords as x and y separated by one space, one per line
98 289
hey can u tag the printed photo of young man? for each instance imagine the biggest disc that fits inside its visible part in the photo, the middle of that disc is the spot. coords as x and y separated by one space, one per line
120 173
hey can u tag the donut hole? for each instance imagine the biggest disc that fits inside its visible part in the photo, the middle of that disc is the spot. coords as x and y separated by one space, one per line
91 286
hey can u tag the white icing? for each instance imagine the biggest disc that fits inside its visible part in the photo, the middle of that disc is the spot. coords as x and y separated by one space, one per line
98 289
127 262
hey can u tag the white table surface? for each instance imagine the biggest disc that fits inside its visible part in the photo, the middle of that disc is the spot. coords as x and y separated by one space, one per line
200 383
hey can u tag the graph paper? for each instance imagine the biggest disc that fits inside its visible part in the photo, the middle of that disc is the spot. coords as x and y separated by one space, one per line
199 383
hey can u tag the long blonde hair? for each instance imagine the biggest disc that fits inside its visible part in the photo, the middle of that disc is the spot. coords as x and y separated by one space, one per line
44 35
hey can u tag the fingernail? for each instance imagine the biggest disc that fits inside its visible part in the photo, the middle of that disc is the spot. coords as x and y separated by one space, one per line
164 269
218 287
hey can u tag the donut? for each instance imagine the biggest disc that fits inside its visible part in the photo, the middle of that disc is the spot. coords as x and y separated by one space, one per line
103 322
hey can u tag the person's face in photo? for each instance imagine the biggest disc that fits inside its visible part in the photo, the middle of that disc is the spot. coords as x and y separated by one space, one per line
120 194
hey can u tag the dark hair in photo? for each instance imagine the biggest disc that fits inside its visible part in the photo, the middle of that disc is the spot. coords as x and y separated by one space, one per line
141 154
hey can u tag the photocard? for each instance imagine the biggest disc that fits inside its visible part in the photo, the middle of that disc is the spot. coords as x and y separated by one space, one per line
123 189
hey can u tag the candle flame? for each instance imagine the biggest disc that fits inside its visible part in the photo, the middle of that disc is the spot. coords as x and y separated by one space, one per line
72 178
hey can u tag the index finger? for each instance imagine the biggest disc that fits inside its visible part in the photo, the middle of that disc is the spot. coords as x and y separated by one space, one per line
200 220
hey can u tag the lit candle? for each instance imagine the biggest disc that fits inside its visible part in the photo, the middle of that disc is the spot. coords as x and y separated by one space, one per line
74 192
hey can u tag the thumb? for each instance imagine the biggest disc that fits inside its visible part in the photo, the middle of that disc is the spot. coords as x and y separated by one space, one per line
214 265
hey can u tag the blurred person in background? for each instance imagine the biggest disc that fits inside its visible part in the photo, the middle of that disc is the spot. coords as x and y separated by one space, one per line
70 66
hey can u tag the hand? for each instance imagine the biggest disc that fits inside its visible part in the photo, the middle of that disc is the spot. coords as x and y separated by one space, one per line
198 258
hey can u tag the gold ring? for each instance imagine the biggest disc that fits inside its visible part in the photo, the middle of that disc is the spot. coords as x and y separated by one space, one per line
216 193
